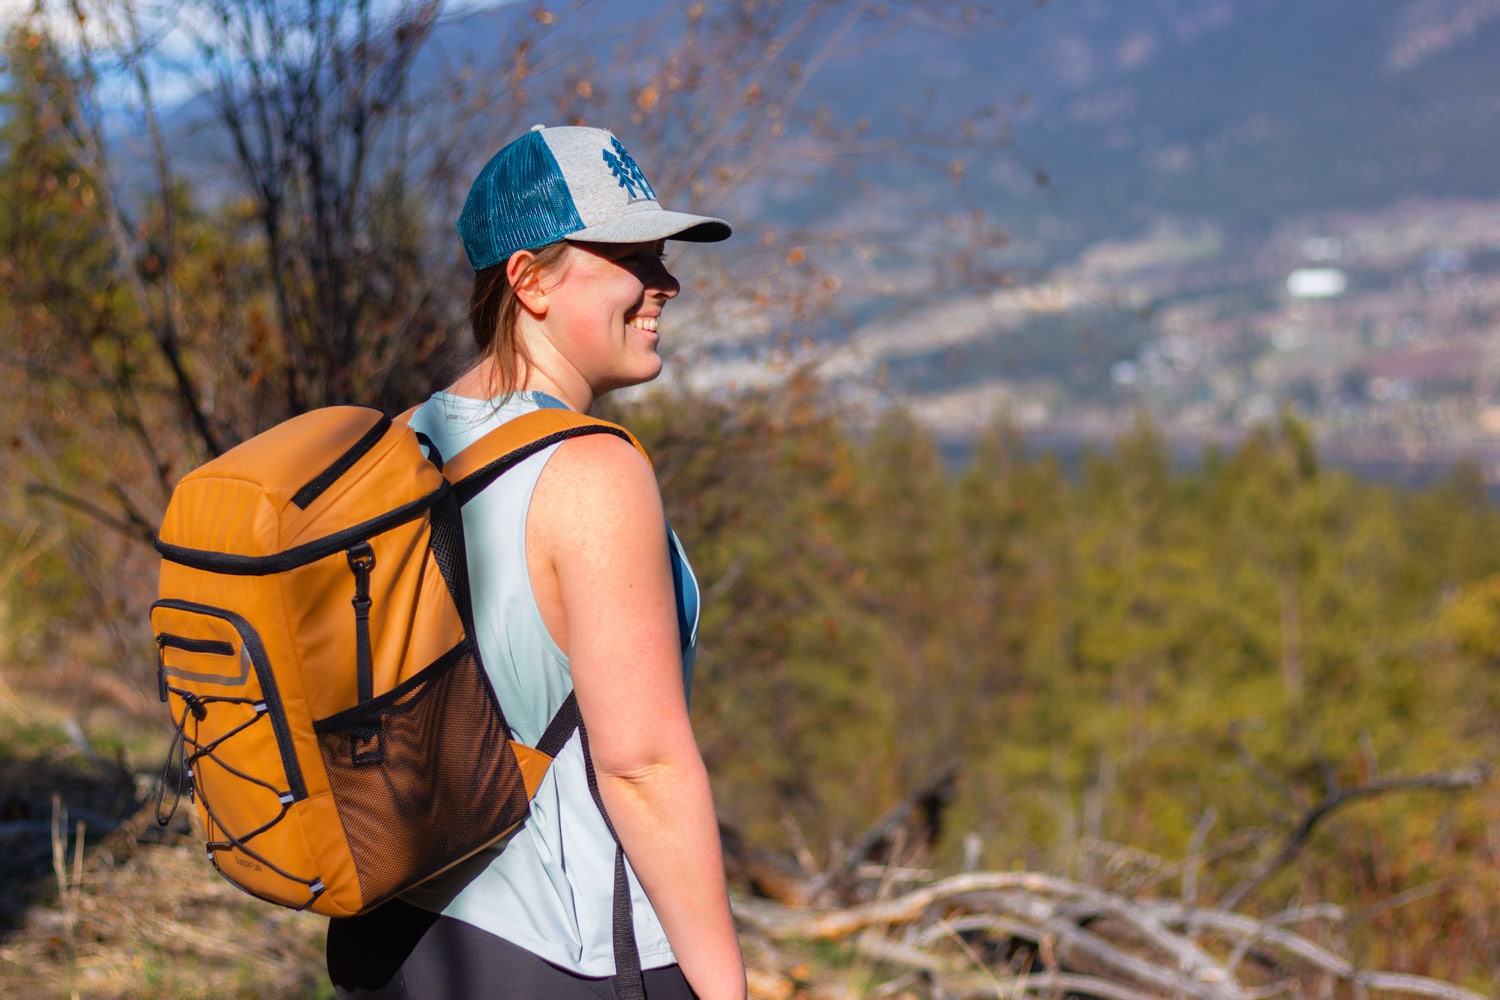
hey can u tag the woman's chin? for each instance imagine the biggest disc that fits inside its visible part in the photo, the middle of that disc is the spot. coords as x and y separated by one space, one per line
640 376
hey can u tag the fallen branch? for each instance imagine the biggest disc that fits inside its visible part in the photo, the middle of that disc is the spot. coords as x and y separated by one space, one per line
1254 932
961 935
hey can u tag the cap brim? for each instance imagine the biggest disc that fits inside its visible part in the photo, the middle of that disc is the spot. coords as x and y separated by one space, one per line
644 227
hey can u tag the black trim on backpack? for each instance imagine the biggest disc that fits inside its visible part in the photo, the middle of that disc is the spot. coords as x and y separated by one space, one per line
471 485
435 669
269 693
315 487
279 562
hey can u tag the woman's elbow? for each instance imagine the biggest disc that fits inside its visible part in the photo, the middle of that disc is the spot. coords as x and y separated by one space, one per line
644 768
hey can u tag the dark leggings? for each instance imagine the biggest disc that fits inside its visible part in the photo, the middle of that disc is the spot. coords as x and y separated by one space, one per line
402 952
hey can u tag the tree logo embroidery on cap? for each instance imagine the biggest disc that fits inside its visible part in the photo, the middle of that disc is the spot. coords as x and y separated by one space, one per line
624 167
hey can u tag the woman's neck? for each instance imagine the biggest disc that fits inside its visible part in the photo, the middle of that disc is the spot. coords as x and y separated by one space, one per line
483 381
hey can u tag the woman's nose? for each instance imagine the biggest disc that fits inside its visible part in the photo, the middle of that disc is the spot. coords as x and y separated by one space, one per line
663 281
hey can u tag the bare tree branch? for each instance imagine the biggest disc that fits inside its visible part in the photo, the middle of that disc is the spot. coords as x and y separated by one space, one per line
131 525
937 786
83 126
1301 833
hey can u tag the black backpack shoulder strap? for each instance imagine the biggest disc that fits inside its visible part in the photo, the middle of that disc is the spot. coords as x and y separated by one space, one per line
470 471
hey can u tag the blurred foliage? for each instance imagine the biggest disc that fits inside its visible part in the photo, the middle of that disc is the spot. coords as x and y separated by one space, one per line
1120 657
1133 655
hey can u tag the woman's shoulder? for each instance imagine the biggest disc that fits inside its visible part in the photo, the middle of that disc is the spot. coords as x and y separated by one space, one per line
600 476
596 518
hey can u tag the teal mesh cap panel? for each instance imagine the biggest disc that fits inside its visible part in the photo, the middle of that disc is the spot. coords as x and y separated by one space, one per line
569 182
519 201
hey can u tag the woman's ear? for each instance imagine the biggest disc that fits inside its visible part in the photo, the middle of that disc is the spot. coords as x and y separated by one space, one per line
525 278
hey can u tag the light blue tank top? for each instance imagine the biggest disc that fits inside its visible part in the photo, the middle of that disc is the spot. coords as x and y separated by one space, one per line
549 887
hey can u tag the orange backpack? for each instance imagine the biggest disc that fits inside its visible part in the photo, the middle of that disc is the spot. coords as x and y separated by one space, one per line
316 648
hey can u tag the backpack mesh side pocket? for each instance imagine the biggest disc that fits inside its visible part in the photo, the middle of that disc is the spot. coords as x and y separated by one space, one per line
422 776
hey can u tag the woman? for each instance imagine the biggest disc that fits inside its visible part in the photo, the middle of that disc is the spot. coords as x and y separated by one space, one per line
578 586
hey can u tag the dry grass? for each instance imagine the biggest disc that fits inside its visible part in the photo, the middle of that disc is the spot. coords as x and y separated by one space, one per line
97 901
158 923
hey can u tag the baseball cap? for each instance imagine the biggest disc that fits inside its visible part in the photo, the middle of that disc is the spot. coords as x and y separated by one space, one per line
568 182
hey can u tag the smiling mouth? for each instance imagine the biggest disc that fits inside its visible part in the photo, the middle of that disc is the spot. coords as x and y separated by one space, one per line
647 323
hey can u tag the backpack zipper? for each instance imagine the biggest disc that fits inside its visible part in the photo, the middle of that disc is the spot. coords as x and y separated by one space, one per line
231 564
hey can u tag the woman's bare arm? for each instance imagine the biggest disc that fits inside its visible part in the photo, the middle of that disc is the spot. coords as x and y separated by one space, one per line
598 558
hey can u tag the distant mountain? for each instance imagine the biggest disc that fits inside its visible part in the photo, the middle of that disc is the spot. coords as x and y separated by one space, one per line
1168 161
1174 161
1234 111
1282 107
1238 111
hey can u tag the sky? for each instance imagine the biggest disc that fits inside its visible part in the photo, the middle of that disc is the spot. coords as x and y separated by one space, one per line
170 25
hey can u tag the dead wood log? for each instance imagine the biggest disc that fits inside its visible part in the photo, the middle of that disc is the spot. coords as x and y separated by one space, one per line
829 925
762 872
952 980
1088 941
1250 931
1194 975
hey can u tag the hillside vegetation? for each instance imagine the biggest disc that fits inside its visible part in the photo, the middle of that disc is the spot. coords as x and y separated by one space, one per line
1272 681
1003 728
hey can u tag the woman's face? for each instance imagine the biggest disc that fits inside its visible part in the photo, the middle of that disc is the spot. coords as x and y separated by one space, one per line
604 304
